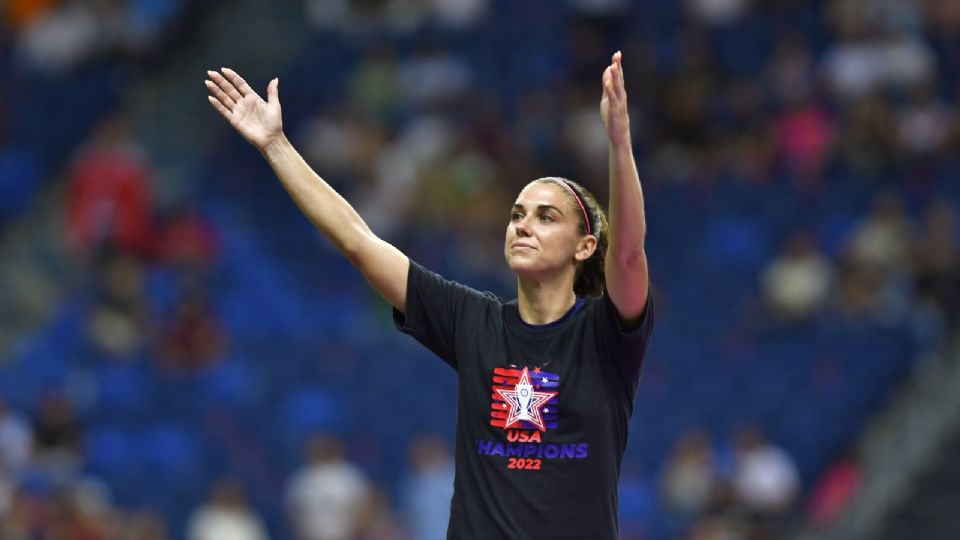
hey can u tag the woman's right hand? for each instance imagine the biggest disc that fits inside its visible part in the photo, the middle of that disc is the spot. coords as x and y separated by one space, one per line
258 121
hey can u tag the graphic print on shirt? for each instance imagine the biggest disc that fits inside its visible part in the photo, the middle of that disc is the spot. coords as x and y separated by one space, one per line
520 404
525 404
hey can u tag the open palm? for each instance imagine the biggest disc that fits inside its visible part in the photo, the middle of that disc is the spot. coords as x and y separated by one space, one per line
258 121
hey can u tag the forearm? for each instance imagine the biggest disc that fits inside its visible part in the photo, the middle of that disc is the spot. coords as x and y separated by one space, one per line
328 211
261 124
626 215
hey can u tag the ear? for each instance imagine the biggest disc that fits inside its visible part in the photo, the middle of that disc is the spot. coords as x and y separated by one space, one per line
585 249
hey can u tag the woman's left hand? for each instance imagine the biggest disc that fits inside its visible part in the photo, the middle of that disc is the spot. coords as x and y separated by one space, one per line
613 104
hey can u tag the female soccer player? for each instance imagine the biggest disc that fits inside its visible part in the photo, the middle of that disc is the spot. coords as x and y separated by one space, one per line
546 382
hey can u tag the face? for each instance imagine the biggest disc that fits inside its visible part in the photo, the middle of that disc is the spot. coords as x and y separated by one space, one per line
543 236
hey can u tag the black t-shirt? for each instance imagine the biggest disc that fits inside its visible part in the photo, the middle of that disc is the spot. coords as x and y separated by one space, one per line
542 412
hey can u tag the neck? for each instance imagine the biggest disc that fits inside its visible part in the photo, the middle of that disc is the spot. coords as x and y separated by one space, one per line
544 301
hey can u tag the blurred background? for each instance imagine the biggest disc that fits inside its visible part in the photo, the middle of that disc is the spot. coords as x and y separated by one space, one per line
183 356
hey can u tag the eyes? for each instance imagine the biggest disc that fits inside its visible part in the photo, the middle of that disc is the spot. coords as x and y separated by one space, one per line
543 217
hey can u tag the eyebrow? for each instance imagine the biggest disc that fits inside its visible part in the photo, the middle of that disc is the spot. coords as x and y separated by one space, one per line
539 207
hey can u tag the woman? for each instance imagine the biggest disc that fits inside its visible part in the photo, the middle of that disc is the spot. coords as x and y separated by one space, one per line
547 381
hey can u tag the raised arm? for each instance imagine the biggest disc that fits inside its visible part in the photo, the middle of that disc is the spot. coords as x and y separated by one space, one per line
626 261
261 124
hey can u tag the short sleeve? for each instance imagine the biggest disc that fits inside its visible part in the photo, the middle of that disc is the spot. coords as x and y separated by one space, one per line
436 309
628 345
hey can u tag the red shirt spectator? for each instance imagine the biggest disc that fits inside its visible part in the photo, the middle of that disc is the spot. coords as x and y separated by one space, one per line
187 239
109 195
834 491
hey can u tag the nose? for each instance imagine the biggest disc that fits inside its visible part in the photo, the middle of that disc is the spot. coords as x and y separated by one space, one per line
521 226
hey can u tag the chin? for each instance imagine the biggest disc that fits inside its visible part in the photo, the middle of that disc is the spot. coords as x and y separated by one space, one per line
521 266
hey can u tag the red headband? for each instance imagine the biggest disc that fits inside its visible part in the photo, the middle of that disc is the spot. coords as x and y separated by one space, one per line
583 208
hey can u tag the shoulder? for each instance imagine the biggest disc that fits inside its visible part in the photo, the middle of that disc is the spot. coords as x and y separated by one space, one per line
423 278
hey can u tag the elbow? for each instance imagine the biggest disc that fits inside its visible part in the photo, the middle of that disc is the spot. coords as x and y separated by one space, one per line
353 246
627 255
630 259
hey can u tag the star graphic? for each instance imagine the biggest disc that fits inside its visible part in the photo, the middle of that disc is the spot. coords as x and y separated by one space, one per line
525 402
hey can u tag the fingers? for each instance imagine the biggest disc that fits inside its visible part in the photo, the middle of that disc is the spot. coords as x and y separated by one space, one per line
616 75
226 86
618 57
219 107
219 95
237 81
273 93
610 85
608 77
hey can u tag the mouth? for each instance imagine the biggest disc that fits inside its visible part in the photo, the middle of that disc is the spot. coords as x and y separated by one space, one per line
521 246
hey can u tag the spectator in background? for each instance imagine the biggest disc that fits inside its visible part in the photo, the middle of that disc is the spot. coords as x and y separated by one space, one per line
373 85
835 489
796 283
16 439
429 489
433 76
343 16
716 13
873 280
867 142
193 339
936 262
117 323
393 16
379 522
108 199
765 479
329 496
871 53
690 479
925 123
59 39
82 511
459 14
187 240
804 128
881 242
719 527
226 515
56 37
805 133
58 437
143 525
23 517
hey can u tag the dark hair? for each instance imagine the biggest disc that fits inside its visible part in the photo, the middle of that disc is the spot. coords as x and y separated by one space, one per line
590 278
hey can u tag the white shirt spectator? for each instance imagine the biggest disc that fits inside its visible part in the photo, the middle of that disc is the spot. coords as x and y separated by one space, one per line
226 516
797 282
765 479
326 499
212 523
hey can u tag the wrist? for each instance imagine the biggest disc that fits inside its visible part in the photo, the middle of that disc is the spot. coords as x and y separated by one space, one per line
275 148
620 143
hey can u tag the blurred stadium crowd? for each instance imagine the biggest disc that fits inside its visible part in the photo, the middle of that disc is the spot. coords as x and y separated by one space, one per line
216 371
